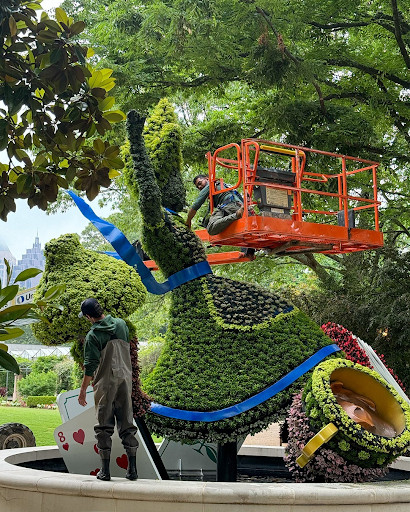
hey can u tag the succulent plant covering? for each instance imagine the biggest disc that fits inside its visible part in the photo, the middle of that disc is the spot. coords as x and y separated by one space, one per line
86 273
347 341
327 465
226 340
353 443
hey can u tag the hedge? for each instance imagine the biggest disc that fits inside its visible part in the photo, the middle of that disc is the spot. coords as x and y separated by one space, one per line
34 401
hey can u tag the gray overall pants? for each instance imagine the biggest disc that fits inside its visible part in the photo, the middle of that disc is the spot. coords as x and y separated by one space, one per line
112 396
222 217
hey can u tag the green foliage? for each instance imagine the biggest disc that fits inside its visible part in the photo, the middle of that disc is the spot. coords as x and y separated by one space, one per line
113 283
163 141
221 347
335 79
372 300
166 240
225 341
52 101
12 316
148 356
45 364
36 384
34 401
66 371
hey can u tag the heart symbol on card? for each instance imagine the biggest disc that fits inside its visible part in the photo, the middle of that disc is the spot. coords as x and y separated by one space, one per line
96 449
94 473
79 436
122 461
66 446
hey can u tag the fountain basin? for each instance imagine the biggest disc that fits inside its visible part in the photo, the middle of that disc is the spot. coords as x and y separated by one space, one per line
23 489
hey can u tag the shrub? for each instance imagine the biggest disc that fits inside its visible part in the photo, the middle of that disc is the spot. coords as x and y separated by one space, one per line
113 283
37 384
34 401
65 374
45 364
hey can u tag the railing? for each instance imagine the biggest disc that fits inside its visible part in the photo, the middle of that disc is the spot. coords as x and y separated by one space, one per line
246 163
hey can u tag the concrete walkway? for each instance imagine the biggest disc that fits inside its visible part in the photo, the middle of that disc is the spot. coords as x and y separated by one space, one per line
267 437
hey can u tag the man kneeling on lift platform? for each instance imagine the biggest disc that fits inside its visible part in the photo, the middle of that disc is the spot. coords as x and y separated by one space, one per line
228 206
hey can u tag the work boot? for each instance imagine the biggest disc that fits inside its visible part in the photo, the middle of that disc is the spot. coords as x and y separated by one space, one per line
104 473
132 473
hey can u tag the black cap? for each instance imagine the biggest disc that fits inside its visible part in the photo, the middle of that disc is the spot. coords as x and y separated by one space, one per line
90 307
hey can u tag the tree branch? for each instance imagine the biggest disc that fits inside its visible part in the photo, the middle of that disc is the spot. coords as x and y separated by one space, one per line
398 33
368 70
292 57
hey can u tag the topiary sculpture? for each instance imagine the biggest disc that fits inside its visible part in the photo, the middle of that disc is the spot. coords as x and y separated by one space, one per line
226 340
372 430
86 273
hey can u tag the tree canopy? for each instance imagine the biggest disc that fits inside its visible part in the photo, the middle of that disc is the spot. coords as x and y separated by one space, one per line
52 100
304 72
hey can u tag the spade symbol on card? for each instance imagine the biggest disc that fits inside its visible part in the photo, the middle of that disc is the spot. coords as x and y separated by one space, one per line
79 436
122 461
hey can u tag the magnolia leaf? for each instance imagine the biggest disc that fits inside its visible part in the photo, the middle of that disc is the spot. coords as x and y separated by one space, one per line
61 15
18 312
8 293
28 273
113 173
12 26
3 346
99 146
54 292
10 334
114 116
9 270
107 103
77 28
8 362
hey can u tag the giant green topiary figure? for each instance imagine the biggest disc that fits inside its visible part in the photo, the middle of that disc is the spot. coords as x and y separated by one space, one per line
86 273
226 340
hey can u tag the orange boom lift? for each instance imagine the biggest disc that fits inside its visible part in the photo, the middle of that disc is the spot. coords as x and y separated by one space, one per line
277 214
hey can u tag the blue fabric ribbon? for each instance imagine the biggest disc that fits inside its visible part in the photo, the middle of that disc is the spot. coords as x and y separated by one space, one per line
127 252
251 402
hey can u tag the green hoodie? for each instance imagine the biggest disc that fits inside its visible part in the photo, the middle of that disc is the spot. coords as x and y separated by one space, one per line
98 336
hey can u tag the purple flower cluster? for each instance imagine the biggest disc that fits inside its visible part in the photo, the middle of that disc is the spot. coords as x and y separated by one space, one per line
326 465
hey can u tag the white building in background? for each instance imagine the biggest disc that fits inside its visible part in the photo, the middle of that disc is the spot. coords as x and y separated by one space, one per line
5 254
33 258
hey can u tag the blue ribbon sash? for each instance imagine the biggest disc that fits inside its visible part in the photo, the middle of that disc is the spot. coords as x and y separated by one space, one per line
253 401
127 252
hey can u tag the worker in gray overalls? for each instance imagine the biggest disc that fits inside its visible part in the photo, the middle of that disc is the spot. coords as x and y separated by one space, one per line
107 362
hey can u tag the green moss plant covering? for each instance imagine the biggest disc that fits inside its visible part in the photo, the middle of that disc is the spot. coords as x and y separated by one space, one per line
86 273
226 340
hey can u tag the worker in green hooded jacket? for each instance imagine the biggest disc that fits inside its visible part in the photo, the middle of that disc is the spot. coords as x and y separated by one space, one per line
107 363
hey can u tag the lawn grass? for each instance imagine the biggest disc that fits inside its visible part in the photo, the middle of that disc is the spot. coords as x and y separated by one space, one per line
41 422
